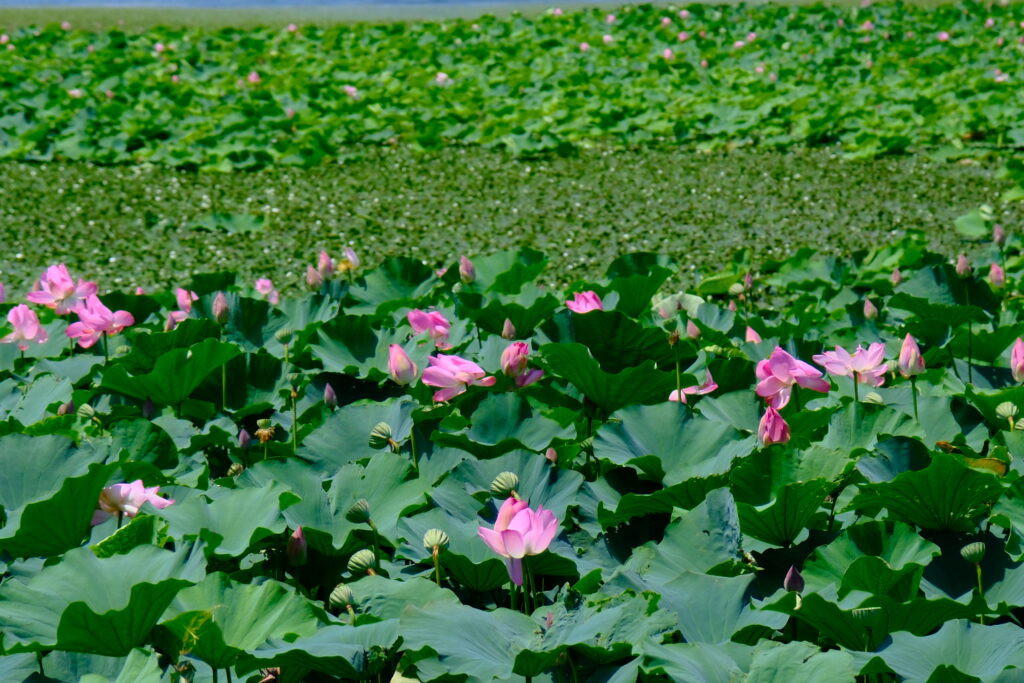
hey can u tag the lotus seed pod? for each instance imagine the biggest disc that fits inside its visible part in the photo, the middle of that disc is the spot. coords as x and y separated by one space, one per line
264 423
122 350
235 469
283 336
736 288
86 411
362 562
874 397
504 485
66 408
341 596
435 538
1019 424
869 616
359 513
973 552
380 436
1006 410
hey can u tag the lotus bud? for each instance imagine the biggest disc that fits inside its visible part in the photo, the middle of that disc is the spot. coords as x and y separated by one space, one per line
314 280
467 271
870 311
752 336
350 256
220 308
910 362
380 436
330 398
66 408
869 616
244 440
732 306
552 455
324 266
235 469
297 550
3 294
148 409
284 335
515 358
692 331
401 368
793 582
999 235
896 277
736 289
973 552
1006 410
86 411
1017 360
997 276
435 538
963 267
362 562
772 428
748 280
342 597
505 485
359 513
508 330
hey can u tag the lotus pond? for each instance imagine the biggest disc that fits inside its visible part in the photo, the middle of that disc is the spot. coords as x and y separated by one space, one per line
461 475
876 79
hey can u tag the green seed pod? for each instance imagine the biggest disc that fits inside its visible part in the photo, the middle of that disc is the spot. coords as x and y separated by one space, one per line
122 350
1006 410
283 336
869 616
341 596
235 469
736 288
435 538
265 423
1019 425
380 436
504 485
362 561
874 397
359 513
87 411
973 552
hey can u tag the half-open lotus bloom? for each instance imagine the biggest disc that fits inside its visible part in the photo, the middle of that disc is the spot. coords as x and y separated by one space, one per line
519 531
780 371
910 362
772 428
126 499
585 302
265 286
453 374
514 360
1017 360
58 291
866 366
752 336
706 388
95 320
433 323
184 298
26 327
325 265
401 368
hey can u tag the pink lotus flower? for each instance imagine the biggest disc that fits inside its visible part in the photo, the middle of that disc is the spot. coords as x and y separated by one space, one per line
997 276
514 360
325 265
297 549
253 77
453 374
706 388
963 267
265 287
4 39
184 298
508 330
401 368
667 53
557 11
683 36
519 531
990 22
58 291
585 302
780 371
352 91
434 323
442 78
692 331
220 308
752 336
1017 360
772 428
684 14
314 280
95 320
870 310
666 22
896 277
610 19
467 271
124 500
584 47
3 293
943 36
910 362
26 327
866 366
607 39
292 28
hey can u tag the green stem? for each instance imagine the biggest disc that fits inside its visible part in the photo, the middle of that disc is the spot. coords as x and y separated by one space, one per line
856 390
679 385
120 518
214 674
437 567
913 392
513 593
286 356
970 333
376 544
412 448
106 350
981 591
224 388
533 583
295 424
39 660
228 672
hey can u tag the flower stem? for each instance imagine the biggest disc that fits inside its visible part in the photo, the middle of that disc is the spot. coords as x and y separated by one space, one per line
913 392
981 591
437 566
224 388
106 350
412 448
856 390
376 544
679 385
295 423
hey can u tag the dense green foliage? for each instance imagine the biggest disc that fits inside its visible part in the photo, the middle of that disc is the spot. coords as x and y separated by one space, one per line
872 80
152 226
676 525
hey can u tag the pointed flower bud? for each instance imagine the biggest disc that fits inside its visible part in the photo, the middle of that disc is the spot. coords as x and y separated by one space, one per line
244 440
148 409
963 267
314 280
794 581
467 271
692 331
752 336
505 485
997 276
66 408
999 235
324 266
297 550
1017 360
401 368
870 310
330 398
351 257
220 308
773 428
508 330
910 362
896 277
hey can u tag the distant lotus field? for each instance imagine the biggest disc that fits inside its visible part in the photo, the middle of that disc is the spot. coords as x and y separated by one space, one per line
811 471
872 79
